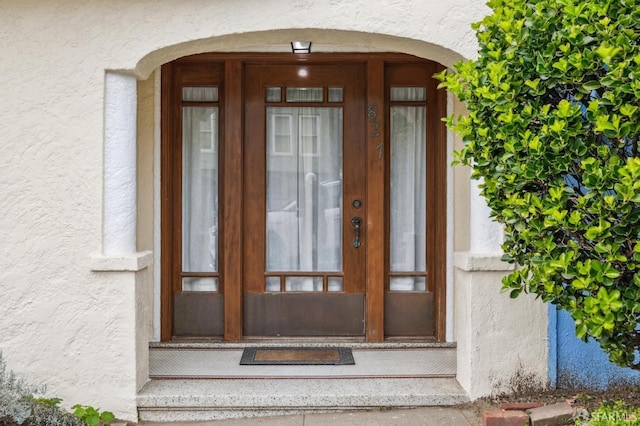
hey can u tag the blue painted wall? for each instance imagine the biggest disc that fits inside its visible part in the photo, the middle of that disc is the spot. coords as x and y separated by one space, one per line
574 363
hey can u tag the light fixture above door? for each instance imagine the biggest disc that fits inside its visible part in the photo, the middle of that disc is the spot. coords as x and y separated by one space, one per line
301 46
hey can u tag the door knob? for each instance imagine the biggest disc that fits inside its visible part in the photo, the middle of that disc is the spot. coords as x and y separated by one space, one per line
356 222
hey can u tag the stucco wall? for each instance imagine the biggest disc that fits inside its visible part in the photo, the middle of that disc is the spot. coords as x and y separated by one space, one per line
505 348
83 331
574 363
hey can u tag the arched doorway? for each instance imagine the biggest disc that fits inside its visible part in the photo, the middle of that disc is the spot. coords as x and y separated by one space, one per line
303 196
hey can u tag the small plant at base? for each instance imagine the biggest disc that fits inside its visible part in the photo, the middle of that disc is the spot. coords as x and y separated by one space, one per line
15 404
46 411
92 416
51 402
19 406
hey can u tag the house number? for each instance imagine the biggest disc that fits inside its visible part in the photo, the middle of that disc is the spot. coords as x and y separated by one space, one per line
372 115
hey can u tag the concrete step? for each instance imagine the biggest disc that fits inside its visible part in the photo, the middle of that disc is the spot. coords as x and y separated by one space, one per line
391 361
182 400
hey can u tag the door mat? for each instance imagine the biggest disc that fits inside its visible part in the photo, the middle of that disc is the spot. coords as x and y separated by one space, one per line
297 356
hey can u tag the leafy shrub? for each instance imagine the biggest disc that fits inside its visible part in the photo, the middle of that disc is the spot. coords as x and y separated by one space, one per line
552 130
15 404
19 407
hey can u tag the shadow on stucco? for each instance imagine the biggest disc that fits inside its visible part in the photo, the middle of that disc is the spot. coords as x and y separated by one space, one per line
521 384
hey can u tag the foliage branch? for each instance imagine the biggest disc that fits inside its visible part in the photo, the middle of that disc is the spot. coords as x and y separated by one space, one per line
552 131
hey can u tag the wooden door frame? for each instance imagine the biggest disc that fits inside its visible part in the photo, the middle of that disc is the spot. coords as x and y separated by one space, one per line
231 157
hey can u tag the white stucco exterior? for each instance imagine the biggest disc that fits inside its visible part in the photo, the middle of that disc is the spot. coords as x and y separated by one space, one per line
77 272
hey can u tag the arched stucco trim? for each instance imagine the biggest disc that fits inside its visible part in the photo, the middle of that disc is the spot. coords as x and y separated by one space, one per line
324 40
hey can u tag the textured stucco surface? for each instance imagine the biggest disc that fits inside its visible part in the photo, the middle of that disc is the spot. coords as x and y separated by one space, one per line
500 340
120 211
82 331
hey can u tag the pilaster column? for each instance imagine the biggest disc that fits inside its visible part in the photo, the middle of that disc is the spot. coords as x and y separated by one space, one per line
119 221
485 234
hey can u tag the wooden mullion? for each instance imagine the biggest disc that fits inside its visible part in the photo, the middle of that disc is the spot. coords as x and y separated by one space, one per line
408 274
302 274
232 201
203 104
305 104
354 173
171 193
166 223
254 185
199 274
439 199
408 103
375 219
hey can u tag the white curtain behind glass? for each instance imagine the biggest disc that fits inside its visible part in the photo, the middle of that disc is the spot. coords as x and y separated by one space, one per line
408 195
304 190
199 191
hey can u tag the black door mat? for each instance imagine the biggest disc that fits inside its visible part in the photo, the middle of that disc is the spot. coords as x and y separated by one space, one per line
297 356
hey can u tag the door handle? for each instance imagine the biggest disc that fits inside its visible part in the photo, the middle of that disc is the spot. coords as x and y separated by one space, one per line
356 222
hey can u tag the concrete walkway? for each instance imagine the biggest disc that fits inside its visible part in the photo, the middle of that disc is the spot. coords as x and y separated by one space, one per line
427 416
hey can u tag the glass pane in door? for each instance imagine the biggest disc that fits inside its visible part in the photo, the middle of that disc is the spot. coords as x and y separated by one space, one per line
408 197
200 195
304 192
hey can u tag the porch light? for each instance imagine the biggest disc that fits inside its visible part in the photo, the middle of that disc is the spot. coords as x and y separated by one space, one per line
301 46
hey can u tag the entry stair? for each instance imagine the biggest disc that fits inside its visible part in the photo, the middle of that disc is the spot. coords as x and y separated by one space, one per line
204 381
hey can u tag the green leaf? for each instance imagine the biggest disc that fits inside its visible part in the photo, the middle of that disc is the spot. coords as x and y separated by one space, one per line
628 109
562 64
612 273
79 411
592 233
533 84
597 330
564 109
591 85
581 331
607 52
92 420
507 258
107 416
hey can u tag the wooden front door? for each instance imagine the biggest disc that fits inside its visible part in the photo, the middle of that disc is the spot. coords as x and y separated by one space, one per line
302 196
304 200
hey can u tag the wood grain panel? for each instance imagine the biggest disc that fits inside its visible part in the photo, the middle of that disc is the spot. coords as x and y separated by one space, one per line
409 315
375 155
198 315
232 201
439 260
304 315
